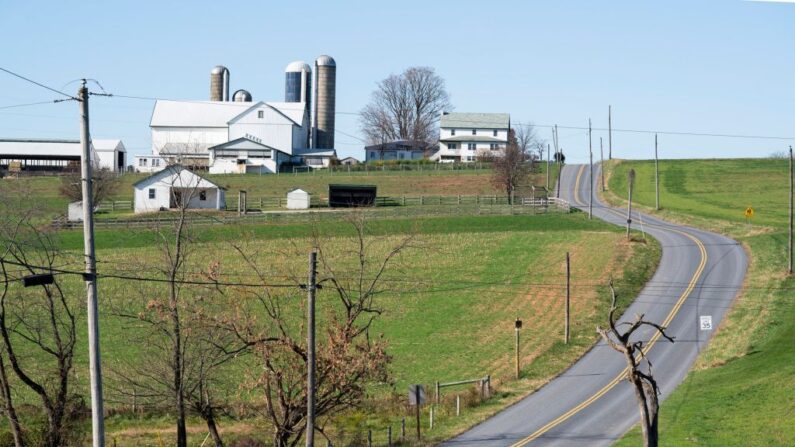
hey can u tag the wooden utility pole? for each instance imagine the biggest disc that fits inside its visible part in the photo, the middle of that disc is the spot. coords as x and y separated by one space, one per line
656 177
631 180
609 132
568 297
789 239
517 327
559 151
310 348
417 397
602 162
90 276
547 168
590 174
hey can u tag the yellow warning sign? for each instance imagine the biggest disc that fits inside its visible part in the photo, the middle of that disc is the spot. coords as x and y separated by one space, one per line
749 212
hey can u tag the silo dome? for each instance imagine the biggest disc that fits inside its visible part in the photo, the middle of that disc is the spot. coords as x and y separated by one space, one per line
218 69
297 66
219 83
325 61
241 96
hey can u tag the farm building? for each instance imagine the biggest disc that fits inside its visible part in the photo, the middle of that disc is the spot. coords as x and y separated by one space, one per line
298 199
349 161
465 136
176 186
347 196
45 155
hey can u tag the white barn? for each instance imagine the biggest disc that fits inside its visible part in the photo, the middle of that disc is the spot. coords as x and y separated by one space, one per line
174 185
111 153
245 155
184 132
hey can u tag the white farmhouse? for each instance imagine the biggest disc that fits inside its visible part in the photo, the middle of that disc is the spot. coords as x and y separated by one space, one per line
176 185
184 132
464 136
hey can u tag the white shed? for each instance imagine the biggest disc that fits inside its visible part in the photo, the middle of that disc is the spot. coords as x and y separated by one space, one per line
175 185
298 199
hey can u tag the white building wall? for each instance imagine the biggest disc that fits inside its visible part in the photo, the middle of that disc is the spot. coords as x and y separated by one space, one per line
252 165
279 136
200 136
447 132
143 204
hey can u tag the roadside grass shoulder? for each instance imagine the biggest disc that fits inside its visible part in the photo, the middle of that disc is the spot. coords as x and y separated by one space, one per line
740 391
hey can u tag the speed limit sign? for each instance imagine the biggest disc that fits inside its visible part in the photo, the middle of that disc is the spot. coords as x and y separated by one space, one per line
706 322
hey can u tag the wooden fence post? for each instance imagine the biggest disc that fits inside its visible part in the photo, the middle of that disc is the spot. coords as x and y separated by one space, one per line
458 405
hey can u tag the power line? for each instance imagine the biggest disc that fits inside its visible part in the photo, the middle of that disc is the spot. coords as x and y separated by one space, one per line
54 101
38 83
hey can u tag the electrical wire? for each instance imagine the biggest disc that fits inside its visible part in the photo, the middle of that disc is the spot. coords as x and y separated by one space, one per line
37 83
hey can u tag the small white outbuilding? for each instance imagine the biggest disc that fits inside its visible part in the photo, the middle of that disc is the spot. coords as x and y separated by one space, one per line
298 199
175 185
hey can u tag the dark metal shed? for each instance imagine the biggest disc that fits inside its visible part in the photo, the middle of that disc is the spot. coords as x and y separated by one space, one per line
346 196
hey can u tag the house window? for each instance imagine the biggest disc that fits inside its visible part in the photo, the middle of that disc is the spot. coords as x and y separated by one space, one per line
472 146
495 133
452 146
452 132
142 162
260 114
203 196
474 131
494 147
401 155
372 154
151 193
156 162
470 158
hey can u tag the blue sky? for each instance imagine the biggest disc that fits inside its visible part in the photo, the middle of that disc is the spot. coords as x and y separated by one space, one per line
723 67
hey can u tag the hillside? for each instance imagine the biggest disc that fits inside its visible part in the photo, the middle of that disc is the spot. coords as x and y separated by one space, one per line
740 393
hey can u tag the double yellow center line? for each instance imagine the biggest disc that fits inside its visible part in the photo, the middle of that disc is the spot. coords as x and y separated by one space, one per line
674 311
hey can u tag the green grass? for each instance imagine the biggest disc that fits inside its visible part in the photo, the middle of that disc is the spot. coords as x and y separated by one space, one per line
741 391
429 182
450 318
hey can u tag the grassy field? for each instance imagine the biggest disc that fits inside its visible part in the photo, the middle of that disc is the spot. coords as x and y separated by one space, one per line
389 183
450 316
740 392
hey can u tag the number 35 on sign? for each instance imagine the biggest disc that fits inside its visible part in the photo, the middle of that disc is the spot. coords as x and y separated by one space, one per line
706 322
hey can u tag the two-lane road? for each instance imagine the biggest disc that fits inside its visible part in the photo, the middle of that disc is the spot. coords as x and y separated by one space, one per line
591 404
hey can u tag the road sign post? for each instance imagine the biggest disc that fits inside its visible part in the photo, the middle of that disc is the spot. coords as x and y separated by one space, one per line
417 398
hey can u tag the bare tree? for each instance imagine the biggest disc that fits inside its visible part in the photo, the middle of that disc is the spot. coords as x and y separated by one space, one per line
646 389
185 351
348 357
103 181
38 331
510 169
528 141
406 107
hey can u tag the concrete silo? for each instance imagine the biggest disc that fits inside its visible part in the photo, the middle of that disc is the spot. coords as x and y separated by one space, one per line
298 82
325 102
241 96
219 84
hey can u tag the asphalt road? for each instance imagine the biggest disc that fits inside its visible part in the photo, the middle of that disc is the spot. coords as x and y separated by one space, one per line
591 404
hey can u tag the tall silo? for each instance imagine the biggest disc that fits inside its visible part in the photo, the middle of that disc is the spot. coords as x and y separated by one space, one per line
219 84
241 96
325 102
298 82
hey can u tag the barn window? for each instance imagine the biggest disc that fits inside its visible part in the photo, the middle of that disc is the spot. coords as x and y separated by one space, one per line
203 195
260 114
151 193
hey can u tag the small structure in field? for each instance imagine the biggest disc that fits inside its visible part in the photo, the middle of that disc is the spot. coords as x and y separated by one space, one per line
349 161
75 211
298 199
175 187
341 196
